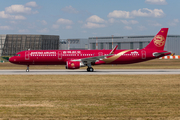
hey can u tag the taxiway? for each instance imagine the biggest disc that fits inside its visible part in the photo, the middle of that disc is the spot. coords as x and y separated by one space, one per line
96 72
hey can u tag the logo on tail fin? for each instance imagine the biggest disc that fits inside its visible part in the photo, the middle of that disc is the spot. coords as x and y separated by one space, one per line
159 40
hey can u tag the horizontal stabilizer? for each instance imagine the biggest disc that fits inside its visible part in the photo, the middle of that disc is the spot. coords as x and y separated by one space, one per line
161 53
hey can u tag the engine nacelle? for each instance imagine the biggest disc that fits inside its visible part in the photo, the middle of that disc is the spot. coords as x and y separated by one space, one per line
74 64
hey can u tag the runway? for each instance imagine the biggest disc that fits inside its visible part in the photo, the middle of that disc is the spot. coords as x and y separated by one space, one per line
96 72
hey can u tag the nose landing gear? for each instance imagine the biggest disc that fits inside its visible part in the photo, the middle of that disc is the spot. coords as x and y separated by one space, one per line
27 70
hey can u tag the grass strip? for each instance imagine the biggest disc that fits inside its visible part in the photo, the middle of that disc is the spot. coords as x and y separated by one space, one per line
90 96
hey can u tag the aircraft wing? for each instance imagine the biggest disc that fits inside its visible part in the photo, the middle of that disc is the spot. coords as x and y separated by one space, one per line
94 59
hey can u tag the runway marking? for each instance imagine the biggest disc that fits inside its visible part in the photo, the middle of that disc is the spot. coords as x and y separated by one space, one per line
96 72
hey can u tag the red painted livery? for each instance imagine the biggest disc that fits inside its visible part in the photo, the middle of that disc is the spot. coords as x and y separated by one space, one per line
74 59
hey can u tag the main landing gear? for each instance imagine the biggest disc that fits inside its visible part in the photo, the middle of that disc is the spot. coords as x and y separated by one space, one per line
90 69
27 70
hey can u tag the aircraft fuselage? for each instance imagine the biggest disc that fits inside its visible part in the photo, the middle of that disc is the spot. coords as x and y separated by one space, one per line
59 57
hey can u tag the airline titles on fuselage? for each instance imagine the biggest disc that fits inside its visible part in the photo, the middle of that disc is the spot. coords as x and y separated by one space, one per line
73 52
43 54
134 53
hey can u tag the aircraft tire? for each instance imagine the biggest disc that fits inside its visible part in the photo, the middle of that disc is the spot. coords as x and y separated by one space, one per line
91 69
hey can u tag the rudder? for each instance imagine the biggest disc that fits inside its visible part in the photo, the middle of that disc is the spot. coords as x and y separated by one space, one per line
158 42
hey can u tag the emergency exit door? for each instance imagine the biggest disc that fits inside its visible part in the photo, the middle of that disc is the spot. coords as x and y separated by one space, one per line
59 55
143 53
27 55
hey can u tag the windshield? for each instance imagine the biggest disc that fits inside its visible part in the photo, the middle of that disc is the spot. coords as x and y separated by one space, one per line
17 55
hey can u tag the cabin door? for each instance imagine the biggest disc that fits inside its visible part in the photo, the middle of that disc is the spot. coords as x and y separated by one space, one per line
27 54
59 55
143 54
100 54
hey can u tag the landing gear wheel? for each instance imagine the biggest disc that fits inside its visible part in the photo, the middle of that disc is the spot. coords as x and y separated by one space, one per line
90 69
27 70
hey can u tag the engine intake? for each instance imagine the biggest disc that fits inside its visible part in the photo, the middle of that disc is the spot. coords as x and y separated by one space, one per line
73 65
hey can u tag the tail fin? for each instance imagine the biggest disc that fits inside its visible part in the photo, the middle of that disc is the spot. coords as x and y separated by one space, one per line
158 42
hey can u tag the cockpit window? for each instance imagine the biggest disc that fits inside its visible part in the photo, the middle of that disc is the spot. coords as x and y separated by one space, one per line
18 55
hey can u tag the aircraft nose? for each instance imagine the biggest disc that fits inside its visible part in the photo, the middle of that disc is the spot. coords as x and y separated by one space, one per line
12 60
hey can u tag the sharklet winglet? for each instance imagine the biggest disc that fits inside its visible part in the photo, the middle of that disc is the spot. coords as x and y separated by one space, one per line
113 51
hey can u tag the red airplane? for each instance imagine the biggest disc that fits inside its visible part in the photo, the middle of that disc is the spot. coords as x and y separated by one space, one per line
74 59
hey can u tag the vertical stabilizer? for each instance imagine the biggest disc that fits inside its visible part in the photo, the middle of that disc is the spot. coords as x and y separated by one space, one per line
158 42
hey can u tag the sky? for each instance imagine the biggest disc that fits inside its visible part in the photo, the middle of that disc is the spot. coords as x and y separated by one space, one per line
89 18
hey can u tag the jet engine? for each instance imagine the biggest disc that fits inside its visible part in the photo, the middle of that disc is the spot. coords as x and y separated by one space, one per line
74 64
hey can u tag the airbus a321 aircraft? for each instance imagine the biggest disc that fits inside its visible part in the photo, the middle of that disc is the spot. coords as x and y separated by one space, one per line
74 59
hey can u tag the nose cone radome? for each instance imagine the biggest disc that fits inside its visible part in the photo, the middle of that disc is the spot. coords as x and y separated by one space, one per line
12 60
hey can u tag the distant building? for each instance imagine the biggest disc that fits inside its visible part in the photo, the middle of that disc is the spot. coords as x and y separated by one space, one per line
123 42
2 41
11 44
74 44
